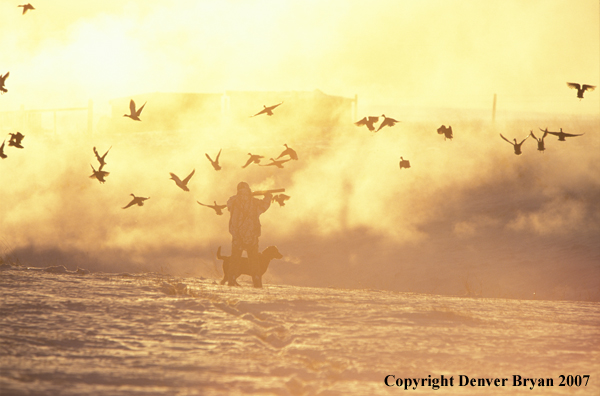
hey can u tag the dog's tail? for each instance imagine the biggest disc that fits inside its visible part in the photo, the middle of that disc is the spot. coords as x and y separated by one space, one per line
219 254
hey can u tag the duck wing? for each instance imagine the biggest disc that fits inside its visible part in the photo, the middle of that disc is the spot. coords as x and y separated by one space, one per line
97 155
139 111
187 179
383 123
250 160
588 87
284 152
574 85
361 122
106 152
175 177
571 134
289 151
524 140
131 107
133 202
506 139
265 110
274 106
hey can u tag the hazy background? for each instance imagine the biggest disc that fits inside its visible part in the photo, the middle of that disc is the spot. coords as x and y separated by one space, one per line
469 217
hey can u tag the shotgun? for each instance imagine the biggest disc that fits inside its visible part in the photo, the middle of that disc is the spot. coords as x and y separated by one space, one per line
264 192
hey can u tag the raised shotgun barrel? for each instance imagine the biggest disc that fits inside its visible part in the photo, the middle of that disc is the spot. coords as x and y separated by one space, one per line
264 192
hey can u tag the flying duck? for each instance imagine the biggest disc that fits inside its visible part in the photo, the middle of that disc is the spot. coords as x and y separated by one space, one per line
517 146
368 121
447 132
540 141
267 110
99 174
139 201
26 7
215 163
288 151
276 163
3 78
182 183
101 159
2 155
561 135
404 163
280 199
218 208
581 88
134 114
15 140
386 122
253 158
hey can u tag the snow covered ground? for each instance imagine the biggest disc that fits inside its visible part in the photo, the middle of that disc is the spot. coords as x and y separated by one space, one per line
152 334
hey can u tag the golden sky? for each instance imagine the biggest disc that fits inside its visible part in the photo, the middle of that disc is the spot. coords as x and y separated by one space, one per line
440 53
443 59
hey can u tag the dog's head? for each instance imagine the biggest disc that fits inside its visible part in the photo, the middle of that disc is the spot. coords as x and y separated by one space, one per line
272 253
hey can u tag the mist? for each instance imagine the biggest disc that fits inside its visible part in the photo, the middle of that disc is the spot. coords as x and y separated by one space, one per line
468 218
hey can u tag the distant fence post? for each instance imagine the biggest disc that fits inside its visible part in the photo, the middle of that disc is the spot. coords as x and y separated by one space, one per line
494 110
22 118
90 119
225 104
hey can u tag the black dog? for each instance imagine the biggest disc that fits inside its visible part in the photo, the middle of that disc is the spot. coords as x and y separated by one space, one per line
264 258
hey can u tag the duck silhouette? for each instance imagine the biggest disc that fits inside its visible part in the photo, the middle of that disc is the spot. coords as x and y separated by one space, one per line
267 110
254 158
562 135
182 183
2 155
218 208
368 122
134 114
215 163
3 78
99 174
386 122
16 139
277 163
26 7
447 132
404 164
288 151
280 199
517 146
581 88
101 158
540 141
139 201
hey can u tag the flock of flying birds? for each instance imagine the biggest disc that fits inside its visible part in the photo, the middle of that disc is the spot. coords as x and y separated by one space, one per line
370 122
134 114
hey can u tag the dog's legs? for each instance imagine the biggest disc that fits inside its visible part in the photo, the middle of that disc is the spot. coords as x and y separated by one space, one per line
234 264
254 264
234 269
